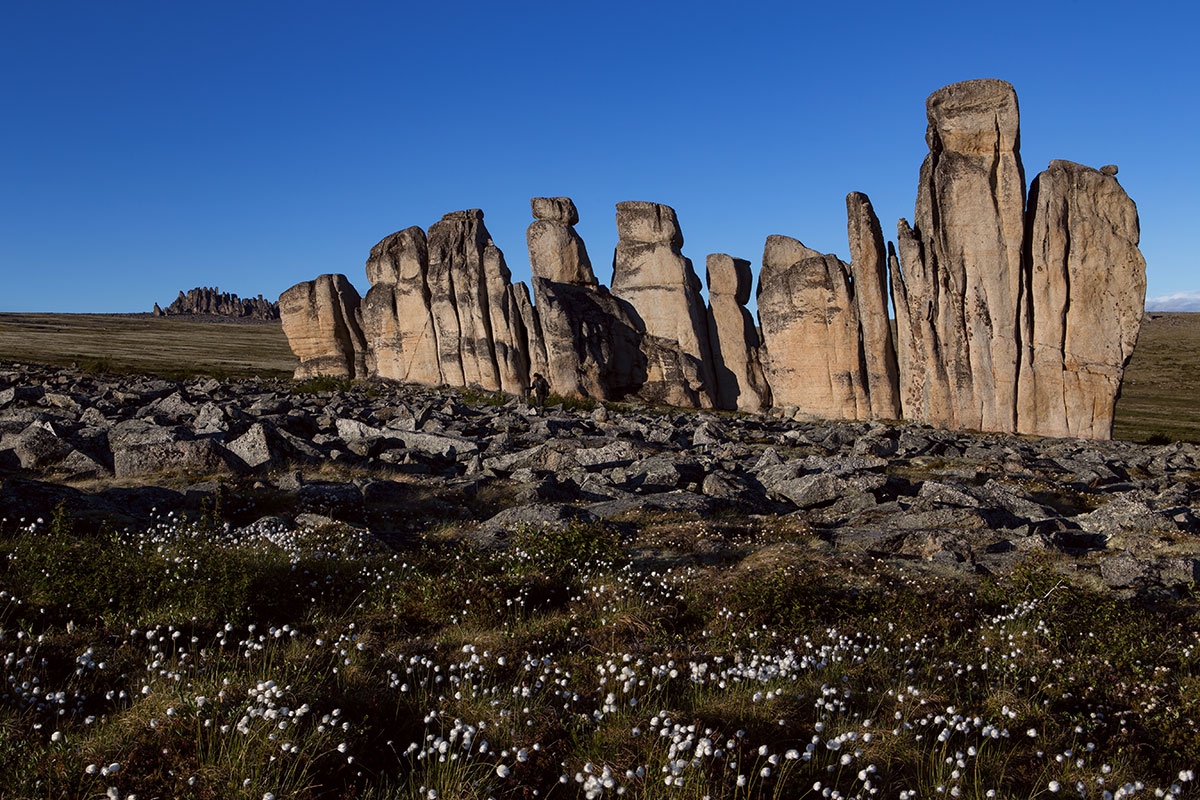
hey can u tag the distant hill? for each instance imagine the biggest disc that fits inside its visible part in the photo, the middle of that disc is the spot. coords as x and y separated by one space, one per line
205 300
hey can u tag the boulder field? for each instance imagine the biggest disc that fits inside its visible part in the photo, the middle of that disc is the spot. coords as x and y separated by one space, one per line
402 461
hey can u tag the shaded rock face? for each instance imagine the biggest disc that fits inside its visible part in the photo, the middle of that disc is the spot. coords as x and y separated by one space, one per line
589 340
1082 308
320 319
965 253
206 300
652 275
868 268
592 341
740 380
810 328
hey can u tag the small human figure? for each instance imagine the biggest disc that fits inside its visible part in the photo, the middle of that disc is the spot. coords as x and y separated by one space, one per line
541 389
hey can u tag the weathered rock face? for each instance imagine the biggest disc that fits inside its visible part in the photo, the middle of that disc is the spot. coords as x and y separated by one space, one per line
869 270
593 344
320 319
737 368
1083 306
397 323
810 329
652 275
206 300
587 339
459 300
1006 319
555 250
443 310
969 226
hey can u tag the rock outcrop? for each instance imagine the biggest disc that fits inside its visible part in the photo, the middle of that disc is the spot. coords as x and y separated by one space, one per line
810 328
652 275
459 301
590 338
396 321
737 368
1082 308
967 238
320 319
206 300
1007 319
868 267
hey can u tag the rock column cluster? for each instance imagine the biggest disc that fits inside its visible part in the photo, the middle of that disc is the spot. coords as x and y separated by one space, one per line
1009 316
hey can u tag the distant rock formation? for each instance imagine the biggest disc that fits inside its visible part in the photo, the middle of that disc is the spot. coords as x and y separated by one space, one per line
205 300
1008 318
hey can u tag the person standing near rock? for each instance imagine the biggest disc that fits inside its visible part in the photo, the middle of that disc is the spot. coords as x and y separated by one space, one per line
541 389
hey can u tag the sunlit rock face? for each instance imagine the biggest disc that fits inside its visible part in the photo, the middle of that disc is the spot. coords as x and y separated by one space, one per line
965 252
1007 318
737 367
320 320
651 274
396 320
442 309
810 328
868 269
1082 309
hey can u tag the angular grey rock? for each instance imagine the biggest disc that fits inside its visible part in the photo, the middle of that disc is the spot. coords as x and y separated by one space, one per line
321 321
202 456
652 275
738 373
1082 308
868 266
16 395
547 516
259 446
36 447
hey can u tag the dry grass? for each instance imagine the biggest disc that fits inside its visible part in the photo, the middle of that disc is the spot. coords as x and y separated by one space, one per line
172 347
1162 382
1158 398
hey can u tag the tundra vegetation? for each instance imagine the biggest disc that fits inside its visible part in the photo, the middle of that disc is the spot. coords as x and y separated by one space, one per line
230 642
203 658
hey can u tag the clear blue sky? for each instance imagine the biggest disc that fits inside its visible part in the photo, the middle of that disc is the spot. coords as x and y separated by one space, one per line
149 147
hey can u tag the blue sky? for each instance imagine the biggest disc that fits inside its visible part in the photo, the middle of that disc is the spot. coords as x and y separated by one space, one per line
152 147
